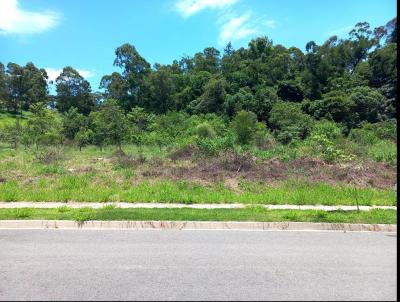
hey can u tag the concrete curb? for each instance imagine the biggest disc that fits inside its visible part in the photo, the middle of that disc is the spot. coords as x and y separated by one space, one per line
195 225
126 205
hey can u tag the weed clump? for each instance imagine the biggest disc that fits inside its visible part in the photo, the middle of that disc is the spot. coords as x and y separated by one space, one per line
236 162
23 213
49 155
185 152
128 161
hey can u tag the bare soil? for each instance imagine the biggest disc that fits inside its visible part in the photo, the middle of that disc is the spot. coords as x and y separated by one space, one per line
230 168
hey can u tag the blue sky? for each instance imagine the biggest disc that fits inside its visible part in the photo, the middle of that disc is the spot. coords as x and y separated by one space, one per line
84 33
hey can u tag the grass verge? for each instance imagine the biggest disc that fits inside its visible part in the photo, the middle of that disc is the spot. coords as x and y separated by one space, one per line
251 213
84 188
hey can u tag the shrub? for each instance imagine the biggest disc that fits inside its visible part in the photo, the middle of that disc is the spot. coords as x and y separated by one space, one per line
335 105
72 121
384 151
363 136
239 101
84 137
288 134
289 122
183 152
43 127
368 103
205 130
110 123
212 146
140 118
84 214
12 134
262 137
371 133
236 162
326 128
49 155
244 126
329 150
386 129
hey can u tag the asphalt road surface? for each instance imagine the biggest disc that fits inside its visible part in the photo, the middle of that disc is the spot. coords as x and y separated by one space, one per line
196 265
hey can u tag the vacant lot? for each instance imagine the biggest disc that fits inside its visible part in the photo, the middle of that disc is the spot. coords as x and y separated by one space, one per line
152 174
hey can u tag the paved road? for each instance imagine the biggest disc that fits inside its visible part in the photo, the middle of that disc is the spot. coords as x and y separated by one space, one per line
196 265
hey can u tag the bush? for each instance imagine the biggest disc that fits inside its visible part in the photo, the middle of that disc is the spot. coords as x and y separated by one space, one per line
12 134
43 127
212 146
204 130
329 149
288 134
262 137
335 105
289 122
235 162
72 121
367 103
327 128
384 151
363 136
49 155
244 126
127 161
183 152
386 129
84 137
140 118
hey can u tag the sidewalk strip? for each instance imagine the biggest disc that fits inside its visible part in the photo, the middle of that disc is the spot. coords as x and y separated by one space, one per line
96 205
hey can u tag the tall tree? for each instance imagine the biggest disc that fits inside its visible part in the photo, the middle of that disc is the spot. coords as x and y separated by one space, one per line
134 69
160 88
208 60
73 91
17 87
116 87
3 88
36 81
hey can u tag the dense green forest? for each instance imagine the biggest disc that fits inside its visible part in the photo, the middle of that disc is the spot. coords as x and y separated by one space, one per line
254 95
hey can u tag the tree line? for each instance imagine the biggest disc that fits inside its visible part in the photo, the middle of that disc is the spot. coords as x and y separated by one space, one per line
349 82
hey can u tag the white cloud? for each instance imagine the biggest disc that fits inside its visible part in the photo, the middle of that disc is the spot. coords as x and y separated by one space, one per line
53 73
340 31
237 28
233 25
14 20
270 23
190 7
86 73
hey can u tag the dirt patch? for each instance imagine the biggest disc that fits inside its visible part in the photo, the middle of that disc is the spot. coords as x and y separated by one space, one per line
229 168
118 153
82 169
368 174
233 184
185 152
235 162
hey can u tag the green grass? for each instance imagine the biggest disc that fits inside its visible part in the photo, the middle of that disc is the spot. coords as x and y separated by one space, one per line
251 213
9 118
26 179
89 187
384 151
